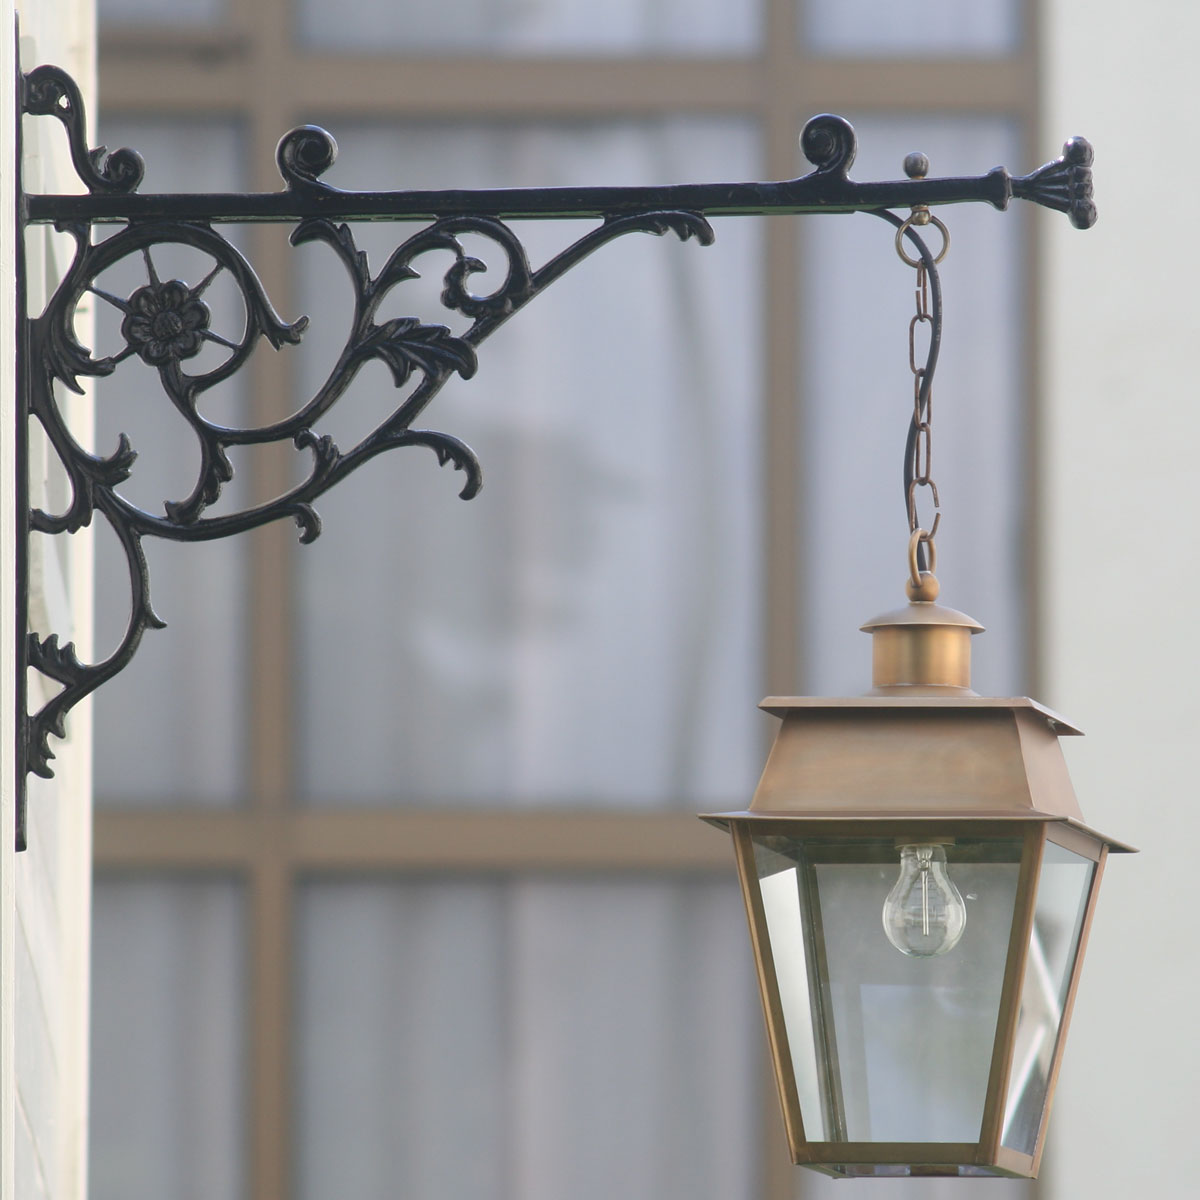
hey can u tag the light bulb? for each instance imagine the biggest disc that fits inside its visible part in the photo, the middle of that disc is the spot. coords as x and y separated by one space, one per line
924 913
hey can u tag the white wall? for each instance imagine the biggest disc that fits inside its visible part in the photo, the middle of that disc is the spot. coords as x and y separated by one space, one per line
1121 573
45 893
8 724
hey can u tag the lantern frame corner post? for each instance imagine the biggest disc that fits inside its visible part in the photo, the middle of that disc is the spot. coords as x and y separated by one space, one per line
1024 909
1093 847
1069 1004
764 963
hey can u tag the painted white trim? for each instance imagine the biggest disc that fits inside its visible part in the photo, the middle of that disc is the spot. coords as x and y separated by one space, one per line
1121 572
45 894
8 670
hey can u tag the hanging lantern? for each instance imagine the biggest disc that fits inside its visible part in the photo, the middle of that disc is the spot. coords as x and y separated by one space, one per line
919 885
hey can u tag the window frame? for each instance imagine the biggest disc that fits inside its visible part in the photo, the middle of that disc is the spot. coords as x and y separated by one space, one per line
248 70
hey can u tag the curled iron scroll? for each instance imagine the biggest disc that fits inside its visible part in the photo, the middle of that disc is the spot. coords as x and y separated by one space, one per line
166 321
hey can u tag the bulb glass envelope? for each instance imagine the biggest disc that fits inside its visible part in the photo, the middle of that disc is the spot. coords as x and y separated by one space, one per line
890 1064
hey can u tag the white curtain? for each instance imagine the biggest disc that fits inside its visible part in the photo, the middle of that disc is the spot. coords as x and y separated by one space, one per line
585 631
855 28
179 14
168 1041
526 1040
532 27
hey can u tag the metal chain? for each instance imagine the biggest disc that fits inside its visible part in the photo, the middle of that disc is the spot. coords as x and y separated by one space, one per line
922 420
918 455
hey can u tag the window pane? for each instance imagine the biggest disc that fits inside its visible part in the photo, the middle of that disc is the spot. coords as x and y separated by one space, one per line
170 728
167 1040
178 14
859 299
941 28
532 27
532 1039
586 631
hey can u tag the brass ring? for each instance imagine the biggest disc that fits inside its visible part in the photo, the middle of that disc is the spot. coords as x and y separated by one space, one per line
914 570
904 228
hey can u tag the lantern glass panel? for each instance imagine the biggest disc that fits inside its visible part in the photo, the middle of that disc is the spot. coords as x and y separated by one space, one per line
884 1046
1063 889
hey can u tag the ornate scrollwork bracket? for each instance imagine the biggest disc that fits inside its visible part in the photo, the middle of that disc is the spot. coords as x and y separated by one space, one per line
167 322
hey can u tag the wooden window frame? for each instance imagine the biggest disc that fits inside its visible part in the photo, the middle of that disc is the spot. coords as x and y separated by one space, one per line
253 71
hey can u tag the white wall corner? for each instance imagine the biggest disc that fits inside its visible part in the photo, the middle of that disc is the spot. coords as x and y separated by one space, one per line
1121 570
47 890
8 670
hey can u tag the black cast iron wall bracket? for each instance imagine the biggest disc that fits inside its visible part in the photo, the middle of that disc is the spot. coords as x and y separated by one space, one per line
166 322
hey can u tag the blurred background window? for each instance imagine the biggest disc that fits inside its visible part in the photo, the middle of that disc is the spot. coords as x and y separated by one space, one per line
399 890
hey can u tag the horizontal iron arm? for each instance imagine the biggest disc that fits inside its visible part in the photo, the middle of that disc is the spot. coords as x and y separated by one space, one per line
811 194
305 153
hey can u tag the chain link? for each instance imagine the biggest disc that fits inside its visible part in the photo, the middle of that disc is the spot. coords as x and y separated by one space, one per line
922 415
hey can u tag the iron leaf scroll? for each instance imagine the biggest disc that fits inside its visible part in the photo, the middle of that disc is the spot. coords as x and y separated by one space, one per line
167 322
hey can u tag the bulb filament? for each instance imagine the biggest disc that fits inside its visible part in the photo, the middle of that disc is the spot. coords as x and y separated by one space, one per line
924 914
925 894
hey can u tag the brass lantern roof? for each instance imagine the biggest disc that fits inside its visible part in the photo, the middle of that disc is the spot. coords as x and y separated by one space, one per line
916 758
921 745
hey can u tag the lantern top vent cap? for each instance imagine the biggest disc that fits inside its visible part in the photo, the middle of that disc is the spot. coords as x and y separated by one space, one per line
923 645
922 612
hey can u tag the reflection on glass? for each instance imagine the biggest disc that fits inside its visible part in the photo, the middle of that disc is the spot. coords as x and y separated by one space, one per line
885 1047
540 28
177 15
779 886
876 28
531 1038
167 1040
586 632
1063 889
